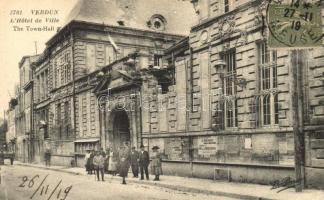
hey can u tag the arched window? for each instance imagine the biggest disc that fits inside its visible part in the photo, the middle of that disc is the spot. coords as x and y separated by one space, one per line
276 109
268 83
266 110
157 22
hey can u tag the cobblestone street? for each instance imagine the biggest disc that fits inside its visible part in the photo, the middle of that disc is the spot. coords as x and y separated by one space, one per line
15 186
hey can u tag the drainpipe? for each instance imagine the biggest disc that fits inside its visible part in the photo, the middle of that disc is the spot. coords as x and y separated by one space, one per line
140 111
32 149
191 78
73 90
191 108
100 126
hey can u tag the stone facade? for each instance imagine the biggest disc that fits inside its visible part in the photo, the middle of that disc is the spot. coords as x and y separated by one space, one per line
239 106
67 118
11 136
24 110
218 102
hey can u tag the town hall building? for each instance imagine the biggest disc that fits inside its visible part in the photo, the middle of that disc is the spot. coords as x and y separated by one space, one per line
195 78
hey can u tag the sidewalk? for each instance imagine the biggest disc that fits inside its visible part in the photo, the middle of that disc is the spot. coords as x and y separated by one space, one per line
195 185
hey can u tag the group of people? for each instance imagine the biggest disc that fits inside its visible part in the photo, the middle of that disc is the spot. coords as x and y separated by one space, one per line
118 162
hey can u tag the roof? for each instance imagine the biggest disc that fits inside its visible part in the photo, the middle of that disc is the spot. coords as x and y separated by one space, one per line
31 59
179 15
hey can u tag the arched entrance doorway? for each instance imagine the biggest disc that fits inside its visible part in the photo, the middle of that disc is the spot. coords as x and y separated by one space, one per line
121 132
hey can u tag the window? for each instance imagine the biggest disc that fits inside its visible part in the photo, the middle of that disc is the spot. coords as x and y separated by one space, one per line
266 110
276 108
268 67
268 104
58 75
226 6
67 117
46 83
59 120
157 22
91 57
55 70
38 89
229 90
157 60
65 68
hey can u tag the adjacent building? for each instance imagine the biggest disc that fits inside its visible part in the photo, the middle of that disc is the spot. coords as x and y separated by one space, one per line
11 136
24 111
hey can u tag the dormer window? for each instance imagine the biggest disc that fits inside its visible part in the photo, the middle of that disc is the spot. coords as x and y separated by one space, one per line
157 22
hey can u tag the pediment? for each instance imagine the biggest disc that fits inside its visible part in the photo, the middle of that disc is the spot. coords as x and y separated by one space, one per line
118 82
113 80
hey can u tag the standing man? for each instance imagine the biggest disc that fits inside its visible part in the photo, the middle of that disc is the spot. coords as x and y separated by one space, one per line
103 153
144 161
98 162
47 157
92 155
134 162
124 157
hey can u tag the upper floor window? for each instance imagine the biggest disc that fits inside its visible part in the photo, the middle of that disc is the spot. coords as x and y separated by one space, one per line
268 67
267 102
229 90
62 70
157 60
230 74
65 68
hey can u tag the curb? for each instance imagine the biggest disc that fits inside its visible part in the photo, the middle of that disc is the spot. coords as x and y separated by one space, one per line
172 187
53 169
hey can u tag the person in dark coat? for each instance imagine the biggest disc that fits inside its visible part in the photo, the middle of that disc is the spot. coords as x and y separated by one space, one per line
98 162
102 152
47 157
144 161
156 163
92 154
124 158
134 161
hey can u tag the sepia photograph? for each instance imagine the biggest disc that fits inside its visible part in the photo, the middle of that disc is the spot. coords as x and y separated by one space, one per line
161 100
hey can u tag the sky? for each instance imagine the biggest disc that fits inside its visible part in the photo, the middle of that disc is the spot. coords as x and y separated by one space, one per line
16 44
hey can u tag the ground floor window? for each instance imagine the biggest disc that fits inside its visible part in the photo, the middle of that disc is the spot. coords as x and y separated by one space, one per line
265 109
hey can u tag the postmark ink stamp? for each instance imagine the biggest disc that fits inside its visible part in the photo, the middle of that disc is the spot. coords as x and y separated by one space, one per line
294 24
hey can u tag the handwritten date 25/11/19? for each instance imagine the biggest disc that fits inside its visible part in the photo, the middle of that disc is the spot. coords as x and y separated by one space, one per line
40 188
